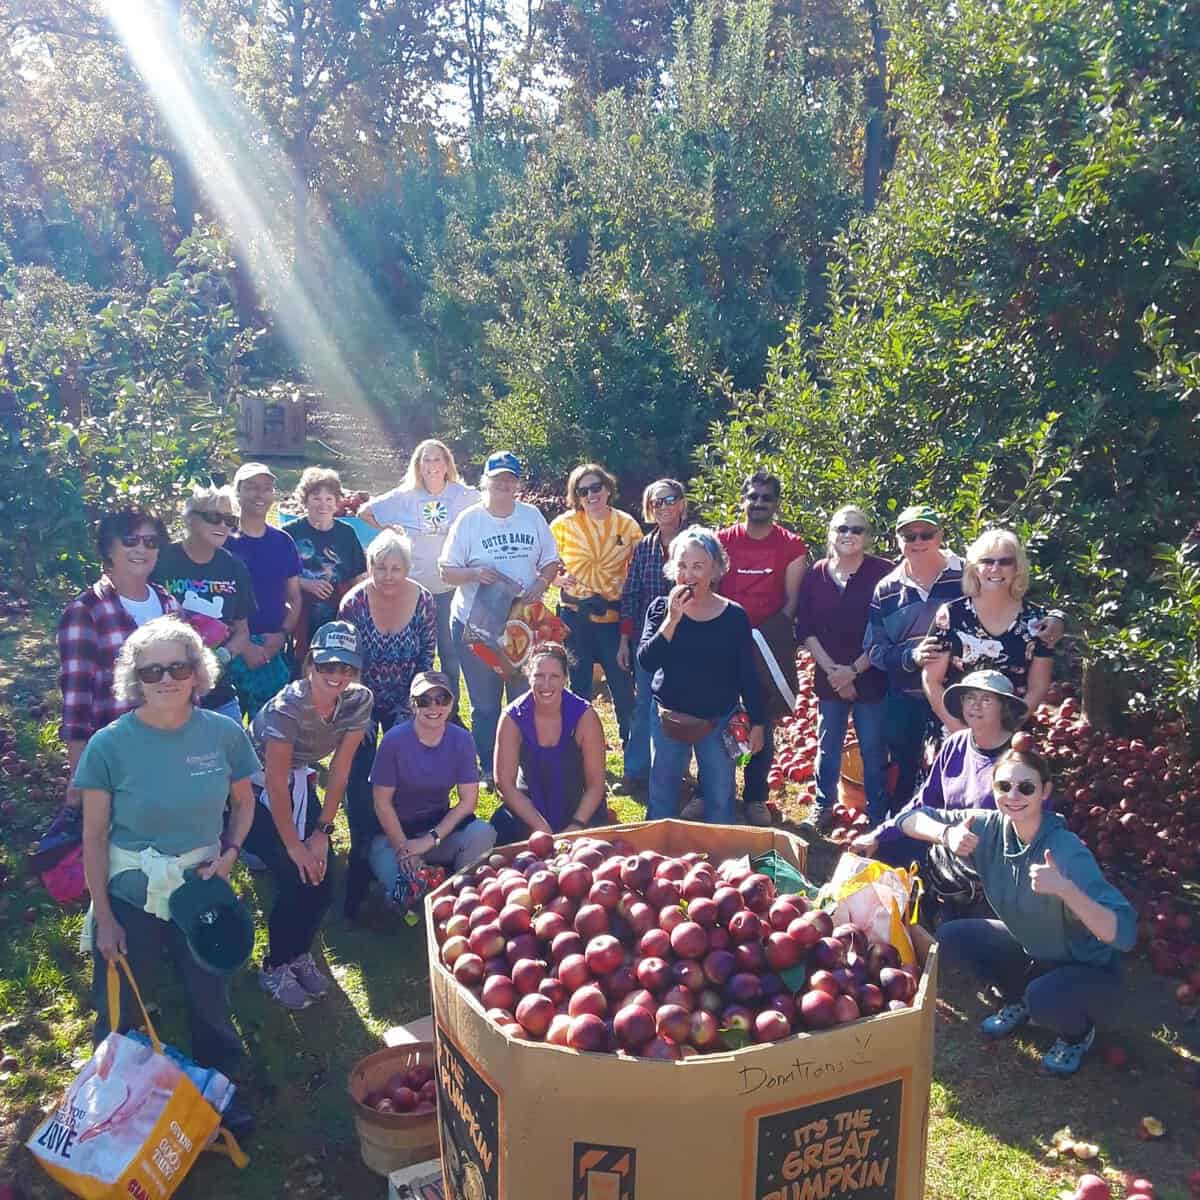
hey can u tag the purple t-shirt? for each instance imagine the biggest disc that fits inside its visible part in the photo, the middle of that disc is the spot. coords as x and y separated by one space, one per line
271 560
423 775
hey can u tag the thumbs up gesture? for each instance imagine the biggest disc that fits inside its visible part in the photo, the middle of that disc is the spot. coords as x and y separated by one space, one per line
1046 879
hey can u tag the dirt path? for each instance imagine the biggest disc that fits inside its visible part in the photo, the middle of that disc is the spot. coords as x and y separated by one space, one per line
372 452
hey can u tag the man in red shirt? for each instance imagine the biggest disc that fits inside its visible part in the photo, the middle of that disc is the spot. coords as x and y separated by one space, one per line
766 565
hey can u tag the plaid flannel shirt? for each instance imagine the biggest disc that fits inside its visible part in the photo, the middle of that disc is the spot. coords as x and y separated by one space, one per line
644 582
92 630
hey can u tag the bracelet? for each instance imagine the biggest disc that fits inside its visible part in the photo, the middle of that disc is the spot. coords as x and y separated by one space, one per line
228 844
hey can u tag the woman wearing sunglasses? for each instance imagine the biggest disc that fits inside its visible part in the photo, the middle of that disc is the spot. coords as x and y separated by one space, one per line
325 712
154 787
664 505
419 763
211 585
831 619
1053 954
91 631
993 626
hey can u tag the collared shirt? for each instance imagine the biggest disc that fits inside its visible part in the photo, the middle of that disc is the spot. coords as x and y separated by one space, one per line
91 631
645 582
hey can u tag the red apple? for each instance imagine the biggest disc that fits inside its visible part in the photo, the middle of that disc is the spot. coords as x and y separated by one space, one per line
702 910
468 969
565 943
499 992
703 1031
673 1022
534 1014
654 974
574 972
604 954
771 1026
575 881
634 1026
541 844
689 940
527 973
590 920
588 1032
818 1010
588 999
655 943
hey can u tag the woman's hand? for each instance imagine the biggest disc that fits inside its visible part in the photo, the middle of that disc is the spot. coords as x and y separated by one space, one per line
415 848
929 649
623 656
221 865
1046 879
757 736
680 597
961 840
540 824
321 588
840 677
1049 630
487 575
312 869
110 937
849 693
254 656
865 844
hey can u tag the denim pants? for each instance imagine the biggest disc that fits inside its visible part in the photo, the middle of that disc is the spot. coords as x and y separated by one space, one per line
591 642
448 659
469 841
906 724
486 689
668 761
1061 997
637 748
832 719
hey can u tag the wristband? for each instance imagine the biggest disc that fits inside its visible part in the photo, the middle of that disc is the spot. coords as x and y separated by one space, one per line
228 844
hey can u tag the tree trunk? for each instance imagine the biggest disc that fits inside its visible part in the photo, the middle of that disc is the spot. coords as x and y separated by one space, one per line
1104 696
876 96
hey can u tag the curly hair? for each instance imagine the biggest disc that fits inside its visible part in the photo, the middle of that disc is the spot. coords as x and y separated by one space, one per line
127 687
313 480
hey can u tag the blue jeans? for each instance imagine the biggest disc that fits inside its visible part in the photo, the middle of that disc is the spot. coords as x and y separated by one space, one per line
448 657
590 643
907 721
668 761
832 718
1062 997
457 850
637 748
486 689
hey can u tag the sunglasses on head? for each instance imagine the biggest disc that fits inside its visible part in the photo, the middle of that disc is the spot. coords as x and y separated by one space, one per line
855 529
918 535
760 497
217 518
1006 561
155 671
150 540
665 501
1026 787
430 699
334 668
589 489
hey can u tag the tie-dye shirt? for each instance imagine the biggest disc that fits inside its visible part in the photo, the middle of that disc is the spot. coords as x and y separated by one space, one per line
597 553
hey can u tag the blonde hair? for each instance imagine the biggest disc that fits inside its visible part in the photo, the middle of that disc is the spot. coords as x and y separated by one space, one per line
412 477
837 518
706 539
648 496
313 480
210 499
989 539
389 542
162 631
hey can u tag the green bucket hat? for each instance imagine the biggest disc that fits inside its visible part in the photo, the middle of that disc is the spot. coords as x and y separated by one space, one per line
217 925
918 514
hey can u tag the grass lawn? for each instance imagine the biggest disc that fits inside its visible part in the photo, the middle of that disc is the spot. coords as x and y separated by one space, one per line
993 1112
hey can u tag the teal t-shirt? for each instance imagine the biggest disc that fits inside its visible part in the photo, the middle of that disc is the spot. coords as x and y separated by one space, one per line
168 786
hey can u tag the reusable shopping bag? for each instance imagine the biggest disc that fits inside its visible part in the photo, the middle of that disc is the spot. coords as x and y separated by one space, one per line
875 898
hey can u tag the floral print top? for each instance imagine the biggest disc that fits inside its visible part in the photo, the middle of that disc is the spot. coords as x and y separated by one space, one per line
975 648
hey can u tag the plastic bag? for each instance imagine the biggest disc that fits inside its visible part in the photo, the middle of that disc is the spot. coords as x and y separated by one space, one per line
414 882
876 899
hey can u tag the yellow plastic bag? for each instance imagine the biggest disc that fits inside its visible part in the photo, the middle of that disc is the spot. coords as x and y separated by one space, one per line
132 1123
875 898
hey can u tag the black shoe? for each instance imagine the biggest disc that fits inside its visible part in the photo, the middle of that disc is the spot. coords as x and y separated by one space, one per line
238 1119
824 822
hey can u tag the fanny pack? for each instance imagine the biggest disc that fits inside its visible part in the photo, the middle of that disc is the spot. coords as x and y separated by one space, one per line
590 606
683 727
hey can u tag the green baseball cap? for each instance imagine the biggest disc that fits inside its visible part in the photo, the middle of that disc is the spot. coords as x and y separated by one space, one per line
217 925
918 514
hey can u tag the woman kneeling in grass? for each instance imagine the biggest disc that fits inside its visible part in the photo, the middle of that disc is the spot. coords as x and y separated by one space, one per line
1054 953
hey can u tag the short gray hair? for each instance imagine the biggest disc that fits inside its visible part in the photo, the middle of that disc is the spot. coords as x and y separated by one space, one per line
389 542
127 687
706 540
210 499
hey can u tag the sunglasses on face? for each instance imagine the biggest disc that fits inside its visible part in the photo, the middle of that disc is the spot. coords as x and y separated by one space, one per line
854 529
150 540
760 497
919 535
589 489
1007 561
155 671
665 501
333 668
1026 787
216 518
432 699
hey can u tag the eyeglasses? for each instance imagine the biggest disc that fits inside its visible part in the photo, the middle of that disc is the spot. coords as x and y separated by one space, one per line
154 672
589 489
432 699
1006 561
760 497
1026 787
334 668
919 535
665 501
216 518
150 540
854 529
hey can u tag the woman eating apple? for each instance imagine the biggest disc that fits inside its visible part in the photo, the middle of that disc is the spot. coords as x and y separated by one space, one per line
1053 954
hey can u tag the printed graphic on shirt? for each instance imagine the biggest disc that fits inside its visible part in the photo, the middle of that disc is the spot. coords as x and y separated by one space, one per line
435 516
204 764
322 563
508 545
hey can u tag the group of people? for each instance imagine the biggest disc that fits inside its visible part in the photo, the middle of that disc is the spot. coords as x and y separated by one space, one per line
221 668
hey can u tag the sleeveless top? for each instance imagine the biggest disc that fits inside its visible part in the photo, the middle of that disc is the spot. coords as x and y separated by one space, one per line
551 776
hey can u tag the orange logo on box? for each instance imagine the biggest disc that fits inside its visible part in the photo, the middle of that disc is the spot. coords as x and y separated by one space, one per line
603 1172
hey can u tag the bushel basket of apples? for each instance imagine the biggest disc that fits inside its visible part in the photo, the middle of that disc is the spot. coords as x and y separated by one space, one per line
643 986
393 1095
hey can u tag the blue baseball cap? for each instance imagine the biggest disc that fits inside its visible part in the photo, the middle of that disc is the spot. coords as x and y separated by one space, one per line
501 461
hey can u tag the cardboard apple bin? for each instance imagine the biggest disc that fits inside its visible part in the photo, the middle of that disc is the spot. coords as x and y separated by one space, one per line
839 1113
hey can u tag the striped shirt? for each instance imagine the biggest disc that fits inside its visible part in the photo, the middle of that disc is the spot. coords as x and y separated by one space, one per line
597 553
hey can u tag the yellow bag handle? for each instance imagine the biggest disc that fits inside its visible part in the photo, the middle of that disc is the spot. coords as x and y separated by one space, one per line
114 999
225 1144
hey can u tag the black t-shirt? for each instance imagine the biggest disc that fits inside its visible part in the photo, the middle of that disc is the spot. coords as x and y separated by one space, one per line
335 555
212 595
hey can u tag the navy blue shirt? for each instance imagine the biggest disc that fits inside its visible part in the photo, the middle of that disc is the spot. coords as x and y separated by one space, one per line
271 560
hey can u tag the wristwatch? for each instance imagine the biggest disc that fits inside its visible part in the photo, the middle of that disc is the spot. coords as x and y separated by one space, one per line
325 827
437 837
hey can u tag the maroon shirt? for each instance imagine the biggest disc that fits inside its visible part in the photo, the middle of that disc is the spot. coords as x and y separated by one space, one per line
838 620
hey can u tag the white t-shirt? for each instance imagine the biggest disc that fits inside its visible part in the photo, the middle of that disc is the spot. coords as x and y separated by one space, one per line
142 610
426 519
520 546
